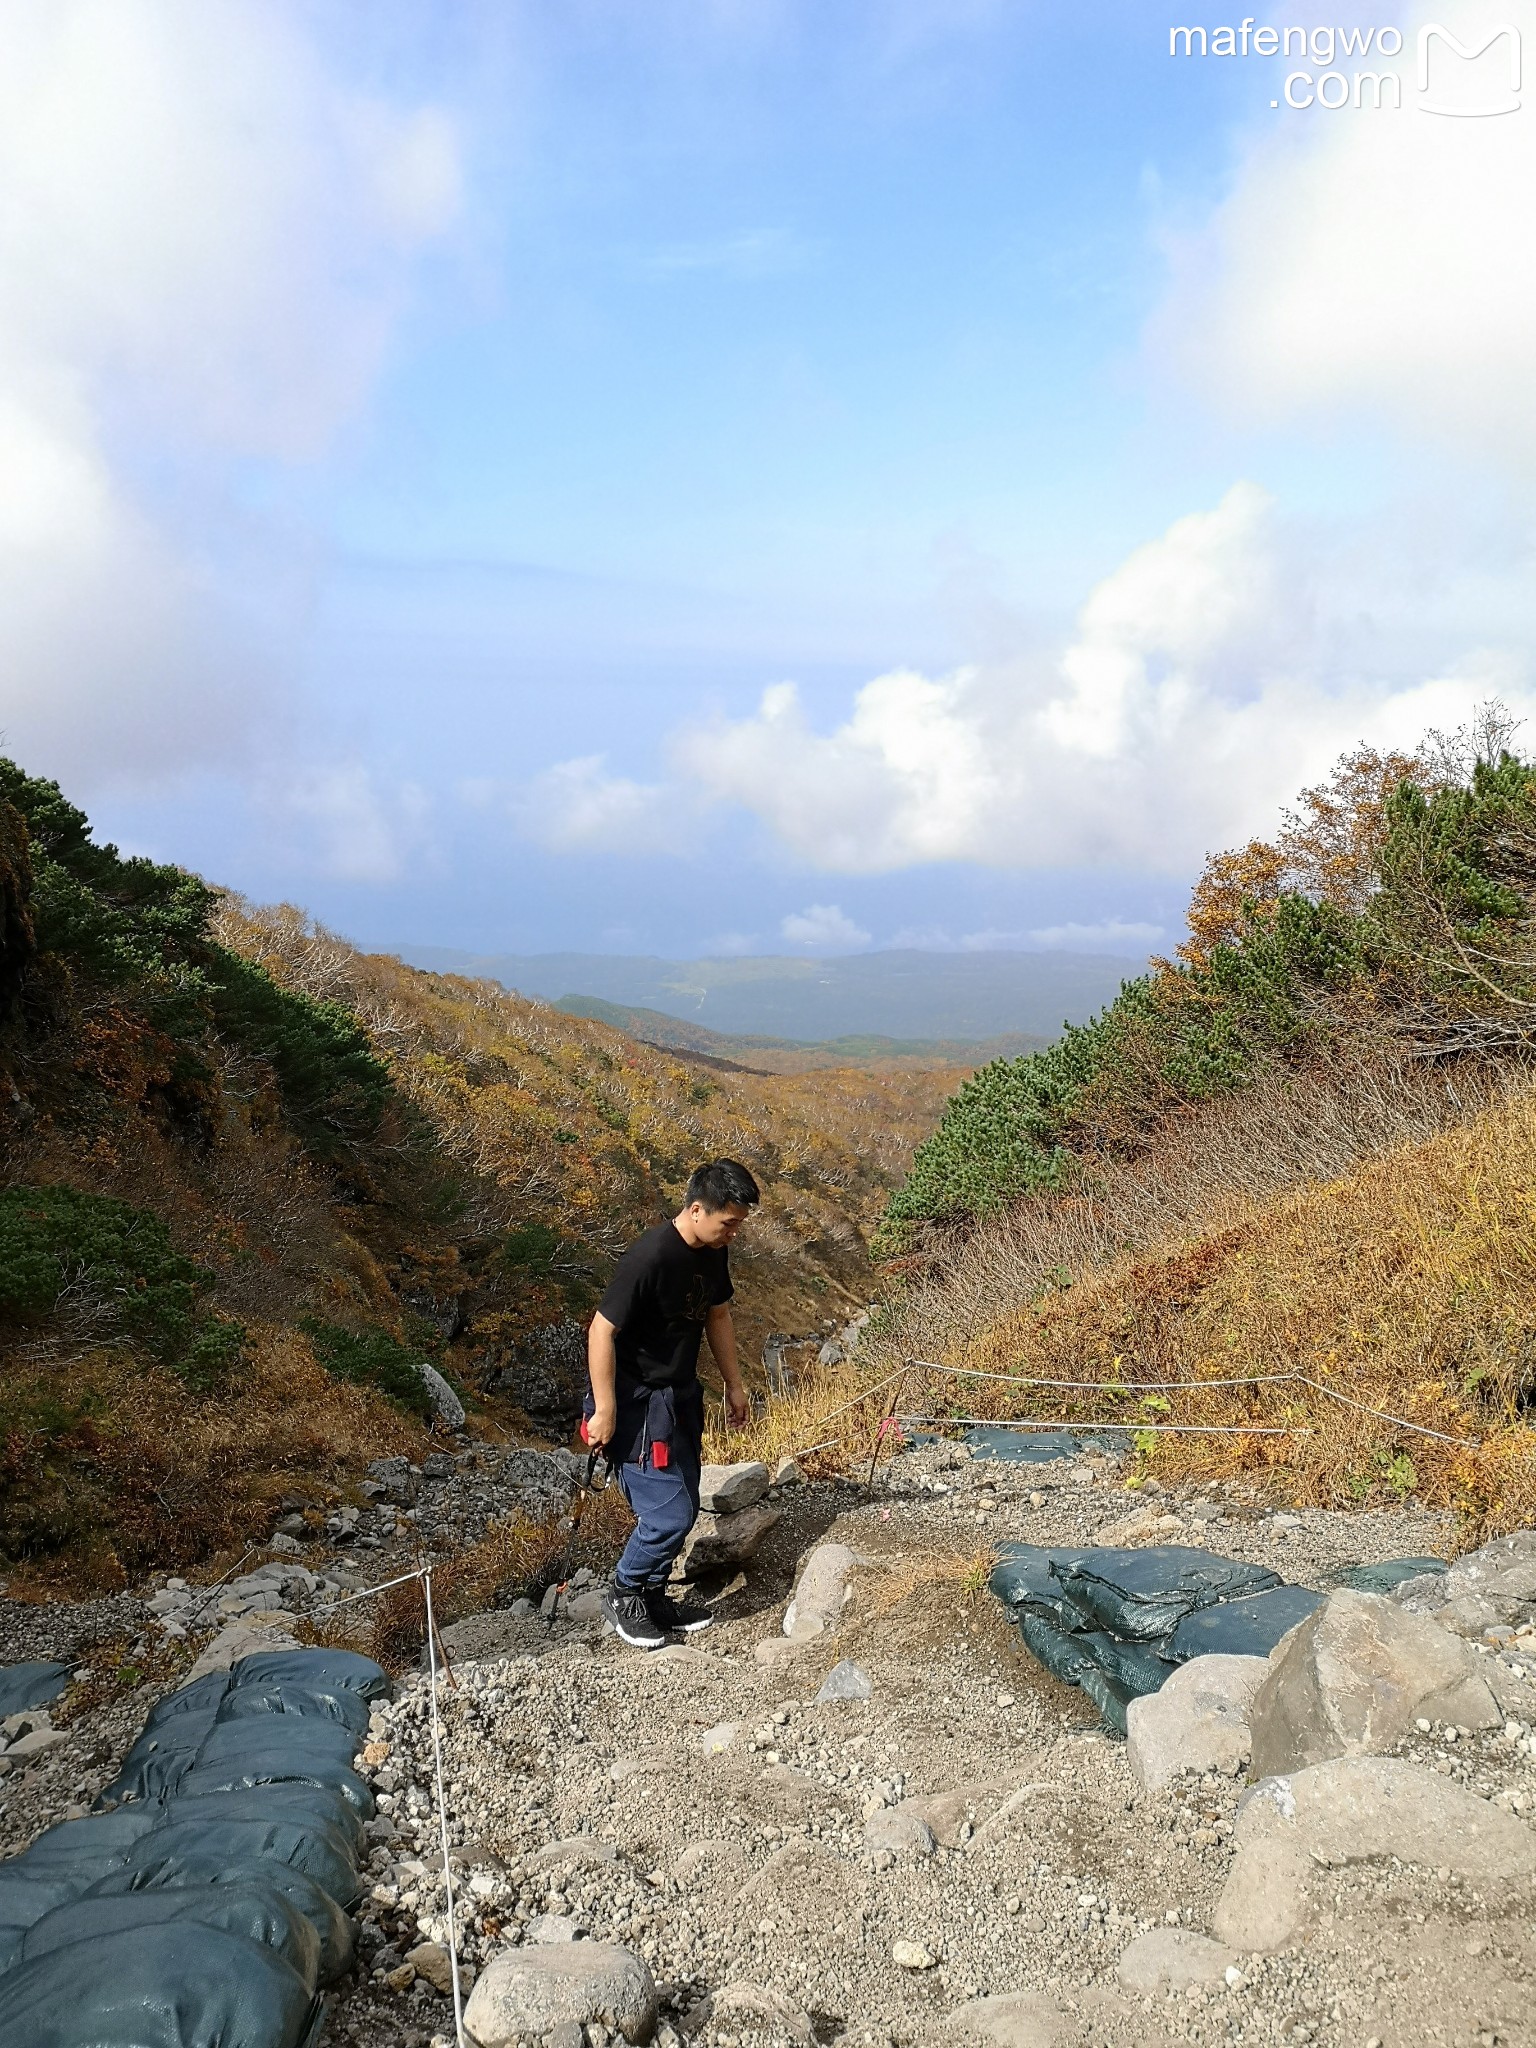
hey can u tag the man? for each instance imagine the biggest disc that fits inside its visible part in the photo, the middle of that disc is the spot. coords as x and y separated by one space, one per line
645 1405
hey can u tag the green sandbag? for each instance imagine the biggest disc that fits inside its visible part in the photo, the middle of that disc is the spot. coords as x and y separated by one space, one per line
255 1909
194 1874
309 1845
1389 1575
261 1802
160 1759
180 1985
327 1672
23 1686
1243 1628
1143 1595
1025 1578
104 1839
253 1702
204 1695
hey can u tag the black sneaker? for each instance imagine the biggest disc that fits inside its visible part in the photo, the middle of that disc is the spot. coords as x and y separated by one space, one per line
627 1612
682 1617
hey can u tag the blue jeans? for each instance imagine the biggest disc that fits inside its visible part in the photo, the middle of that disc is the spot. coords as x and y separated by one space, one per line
665 1506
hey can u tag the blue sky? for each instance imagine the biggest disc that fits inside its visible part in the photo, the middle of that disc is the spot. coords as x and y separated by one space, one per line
434 430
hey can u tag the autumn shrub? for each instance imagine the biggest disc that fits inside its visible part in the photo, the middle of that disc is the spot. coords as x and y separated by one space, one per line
106 1271
370 1358
1401 897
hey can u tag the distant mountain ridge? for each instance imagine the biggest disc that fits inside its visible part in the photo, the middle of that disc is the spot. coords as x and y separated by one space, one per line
754 1052
963 997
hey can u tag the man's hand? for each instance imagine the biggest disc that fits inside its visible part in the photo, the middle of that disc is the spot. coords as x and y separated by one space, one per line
601 1424
738 1404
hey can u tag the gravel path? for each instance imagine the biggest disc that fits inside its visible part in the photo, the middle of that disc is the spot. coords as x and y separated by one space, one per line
714 1812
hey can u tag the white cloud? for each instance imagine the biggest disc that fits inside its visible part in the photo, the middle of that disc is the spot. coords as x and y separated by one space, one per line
349 827
1378 264
579 805
204 247
823 927
1210 675
1109 935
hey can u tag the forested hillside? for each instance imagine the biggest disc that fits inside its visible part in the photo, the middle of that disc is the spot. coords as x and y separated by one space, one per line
1303 1145
250 1177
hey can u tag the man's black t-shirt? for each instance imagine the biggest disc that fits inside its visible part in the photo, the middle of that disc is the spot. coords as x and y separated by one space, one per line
660 1293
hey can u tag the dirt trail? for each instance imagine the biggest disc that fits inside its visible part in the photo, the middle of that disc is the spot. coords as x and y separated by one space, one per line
719 1813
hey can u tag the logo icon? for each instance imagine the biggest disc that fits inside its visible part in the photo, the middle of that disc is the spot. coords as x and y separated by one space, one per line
1472 106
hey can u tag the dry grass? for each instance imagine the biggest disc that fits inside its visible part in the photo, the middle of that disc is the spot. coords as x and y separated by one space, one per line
107 1468
516 1558
1407 1283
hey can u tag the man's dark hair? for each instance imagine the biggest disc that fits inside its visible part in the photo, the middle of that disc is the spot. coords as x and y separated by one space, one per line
723 1184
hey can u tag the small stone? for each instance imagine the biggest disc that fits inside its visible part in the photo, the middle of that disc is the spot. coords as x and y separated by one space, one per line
822 1591
550 1927
401 1979
788 1473
715 1741
899 1831
911 1955
727 1489
845 1681
431 1960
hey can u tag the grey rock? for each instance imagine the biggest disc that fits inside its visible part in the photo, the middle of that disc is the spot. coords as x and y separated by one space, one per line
447 1408
1351 1679
548 1928
585 1851
788 1473
282 1541
899 1831
756 2006
727 1489
717 1540
1014 2019
845 1681
823 1590
1171 1959
533 1990
1349 1810
1198 1721
1265 1903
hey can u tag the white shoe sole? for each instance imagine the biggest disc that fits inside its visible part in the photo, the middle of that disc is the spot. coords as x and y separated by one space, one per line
637 1642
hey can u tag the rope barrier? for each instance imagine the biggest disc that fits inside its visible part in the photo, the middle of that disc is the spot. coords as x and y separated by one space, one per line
1266 1379
1122 1428
442 1812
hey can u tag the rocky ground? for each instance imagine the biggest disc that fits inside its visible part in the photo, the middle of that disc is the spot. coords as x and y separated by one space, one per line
862 1868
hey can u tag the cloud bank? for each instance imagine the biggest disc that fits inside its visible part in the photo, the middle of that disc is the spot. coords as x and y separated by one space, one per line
1209 676
1378 264
206 243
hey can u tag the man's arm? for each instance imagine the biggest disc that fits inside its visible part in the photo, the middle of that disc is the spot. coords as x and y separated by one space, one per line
602 1365
721 1332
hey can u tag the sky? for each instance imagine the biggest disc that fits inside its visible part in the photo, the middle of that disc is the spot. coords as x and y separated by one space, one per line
750 475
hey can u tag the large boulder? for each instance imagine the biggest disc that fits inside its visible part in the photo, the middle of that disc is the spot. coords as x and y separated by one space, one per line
1197 1721
718 1540
822 1592
1489 1589
1350 1810
531 1991
1353 1677
727 1489
447 1408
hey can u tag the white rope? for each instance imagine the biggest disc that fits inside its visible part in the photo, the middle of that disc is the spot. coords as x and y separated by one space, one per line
1264 1379
1014 1379
442 1811
1121 1428
857 1402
